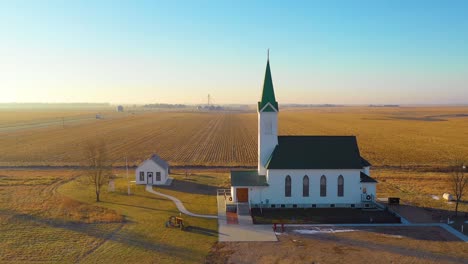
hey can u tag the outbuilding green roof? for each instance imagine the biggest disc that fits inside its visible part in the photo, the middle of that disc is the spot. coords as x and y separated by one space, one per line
268 93
247 178
315 152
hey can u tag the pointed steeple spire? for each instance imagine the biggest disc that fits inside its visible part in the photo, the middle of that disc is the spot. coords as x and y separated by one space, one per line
268 93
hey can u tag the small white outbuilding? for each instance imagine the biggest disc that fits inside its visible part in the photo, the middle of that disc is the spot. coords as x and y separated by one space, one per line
153 171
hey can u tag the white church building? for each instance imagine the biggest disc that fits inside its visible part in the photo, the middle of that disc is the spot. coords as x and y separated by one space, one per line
302 171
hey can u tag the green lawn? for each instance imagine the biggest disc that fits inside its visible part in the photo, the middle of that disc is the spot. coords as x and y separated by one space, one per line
144 237
47 216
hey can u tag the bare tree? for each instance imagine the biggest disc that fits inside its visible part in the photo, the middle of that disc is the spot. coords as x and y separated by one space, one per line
458 181
97 167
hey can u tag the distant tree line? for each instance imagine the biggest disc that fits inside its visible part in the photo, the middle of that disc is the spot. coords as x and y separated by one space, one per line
385 105
53 105
310 105
164 106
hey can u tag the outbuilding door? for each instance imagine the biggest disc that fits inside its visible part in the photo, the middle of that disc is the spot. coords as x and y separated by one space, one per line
242 195
149 178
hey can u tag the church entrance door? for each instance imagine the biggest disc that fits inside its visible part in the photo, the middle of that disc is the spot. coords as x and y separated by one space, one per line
242 195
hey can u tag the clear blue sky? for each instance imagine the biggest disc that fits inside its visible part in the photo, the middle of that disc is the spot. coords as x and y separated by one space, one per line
352 52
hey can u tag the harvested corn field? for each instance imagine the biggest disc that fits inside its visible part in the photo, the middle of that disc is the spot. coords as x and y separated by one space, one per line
387 136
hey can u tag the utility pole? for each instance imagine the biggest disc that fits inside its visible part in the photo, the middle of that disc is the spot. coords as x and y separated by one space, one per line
209 99
128 183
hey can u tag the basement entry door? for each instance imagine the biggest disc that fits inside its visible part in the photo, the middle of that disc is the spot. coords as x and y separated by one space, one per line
242 195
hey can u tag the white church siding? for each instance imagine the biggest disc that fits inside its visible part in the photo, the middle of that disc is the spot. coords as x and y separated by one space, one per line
256 193
275 193
267 138
369 188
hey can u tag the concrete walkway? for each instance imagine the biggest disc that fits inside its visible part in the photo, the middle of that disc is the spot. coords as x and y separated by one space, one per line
245 230
178 203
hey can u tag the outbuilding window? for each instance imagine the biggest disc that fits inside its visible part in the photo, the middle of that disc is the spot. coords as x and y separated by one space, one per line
305 186
158 176
340 186
287 186
142 175
323 186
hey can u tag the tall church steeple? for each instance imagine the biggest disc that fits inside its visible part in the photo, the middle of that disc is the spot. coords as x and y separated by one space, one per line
267 121
268 102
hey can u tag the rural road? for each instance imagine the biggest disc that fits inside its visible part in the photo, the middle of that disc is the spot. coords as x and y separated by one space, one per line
178 203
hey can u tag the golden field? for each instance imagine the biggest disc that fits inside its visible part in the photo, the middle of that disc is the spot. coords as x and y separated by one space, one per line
399 136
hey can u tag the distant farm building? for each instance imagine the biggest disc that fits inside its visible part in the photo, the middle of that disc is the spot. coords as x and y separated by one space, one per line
153 171
120 108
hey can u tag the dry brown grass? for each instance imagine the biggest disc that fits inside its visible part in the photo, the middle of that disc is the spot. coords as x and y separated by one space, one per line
416 188
371 245
387 136
56 220
38 224
34 193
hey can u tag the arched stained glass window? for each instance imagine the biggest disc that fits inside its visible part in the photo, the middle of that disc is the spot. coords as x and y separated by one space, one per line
323 186
287 186
305 186
340 186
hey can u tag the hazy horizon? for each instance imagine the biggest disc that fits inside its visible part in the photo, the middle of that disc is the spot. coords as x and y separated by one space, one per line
334 52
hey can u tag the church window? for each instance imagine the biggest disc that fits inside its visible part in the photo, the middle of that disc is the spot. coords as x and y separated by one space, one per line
305 186
287 186
323 186
340 186
142 175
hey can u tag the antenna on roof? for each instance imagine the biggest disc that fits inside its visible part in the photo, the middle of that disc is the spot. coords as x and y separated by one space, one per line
268 54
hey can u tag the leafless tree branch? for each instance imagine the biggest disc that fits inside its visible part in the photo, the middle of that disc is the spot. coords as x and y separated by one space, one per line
97 167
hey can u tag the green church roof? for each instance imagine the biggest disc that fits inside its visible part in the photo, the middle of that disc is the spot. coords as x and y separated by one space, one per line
268 93
367 178
247 178
316 152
